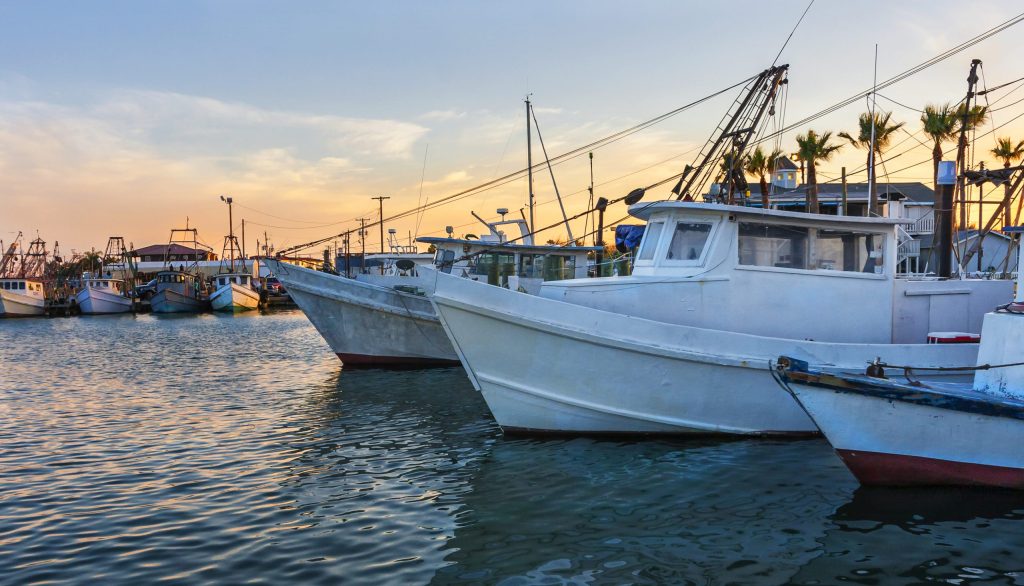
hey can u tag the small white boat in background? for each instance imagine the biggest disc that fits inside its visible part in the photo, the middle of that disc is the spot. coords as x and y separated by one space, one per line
22 287
103 295
234 292
22 297
106 294
233 286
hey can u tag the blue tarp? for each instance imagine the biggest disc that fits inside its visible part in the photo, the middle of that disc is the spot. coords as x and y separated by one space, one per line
628 237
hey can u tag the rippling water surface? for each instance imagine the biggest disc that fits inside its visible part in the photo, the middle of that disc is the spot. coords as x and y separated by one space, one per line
234 448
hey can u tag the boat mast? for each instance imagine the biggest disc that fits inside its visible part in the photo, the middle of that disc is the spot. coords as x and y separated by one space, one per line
871 147
529 160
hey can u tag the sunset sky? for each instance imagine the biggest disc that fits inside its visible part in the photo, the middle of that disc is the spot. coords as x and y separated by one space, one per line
128 117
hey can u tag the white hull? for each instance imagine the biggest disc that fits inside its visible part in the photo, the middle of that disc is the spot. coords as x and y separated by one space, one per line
897 442
367 324
95 301
17 305
234 297
547 366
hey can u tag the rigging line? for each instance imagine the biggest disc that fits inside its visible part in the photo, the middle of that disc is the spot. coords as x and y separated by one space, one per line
900 104
423 175
555 160
906 74
319 222
1006 106
801 19
1001 86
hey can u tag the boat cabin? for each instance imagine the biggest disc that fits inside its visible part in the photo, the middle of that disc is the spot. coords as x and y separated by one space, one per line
27 287
242 279
781 274
112 285
507 264
180 282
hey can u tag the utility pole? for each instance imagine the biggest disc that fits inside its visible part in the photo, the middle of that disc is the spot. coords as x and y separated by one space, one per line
844 192
529 160
362 241
380 199
946 180
961 153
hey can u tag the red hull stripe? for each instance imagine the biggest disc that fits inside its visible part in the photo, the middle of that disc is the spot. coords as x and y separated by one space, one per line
397 362
899 470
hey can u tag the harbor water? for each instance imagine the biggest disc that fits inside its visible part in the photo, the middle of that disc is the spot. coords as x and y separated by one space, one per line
228 449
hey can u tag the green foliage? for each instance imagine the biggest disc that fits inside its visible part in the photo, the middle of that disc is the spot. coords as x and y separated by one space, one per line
884 128
1006 151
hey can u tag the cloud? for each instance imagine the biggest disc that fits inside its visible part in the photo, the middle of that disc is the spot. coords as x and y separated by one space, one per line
442 115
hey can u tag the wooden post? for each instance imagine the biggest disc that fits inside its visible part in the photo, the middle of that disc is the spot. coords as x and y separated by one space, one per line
845 210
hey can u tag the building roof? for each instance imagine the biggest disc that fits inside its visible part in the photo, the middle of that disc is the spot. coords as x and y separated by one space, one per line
161 249
909 193
783 163
962 235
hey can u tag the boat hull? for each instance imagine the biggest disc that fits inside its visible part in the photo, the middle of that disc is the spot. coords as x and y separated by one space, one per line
169 301
891 442
234 297
368 325
95 301
17 305
563 368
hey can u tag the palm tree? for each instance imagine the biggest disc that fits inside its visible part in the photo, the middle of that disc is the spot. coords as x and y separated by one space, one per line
1008 152
883 131
759 165
813 148
940 123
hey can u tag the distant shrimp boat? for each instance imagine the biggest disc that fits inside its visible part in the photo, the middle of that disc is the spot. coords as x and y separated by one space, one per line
103 295
233 289
22 298
183 290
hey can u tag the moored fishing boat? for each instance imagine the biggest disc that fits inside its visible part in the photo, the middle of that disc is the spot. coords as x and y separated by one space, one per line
101 294
233 287
22 283
681 345
183 290
22 297
234 293
385 320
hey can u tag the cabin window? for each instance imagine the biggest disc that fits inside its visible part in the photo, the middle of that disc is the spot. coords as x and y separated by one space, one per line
497 267
531 266
845 250
795 247
650 243
445 259
772 245
21 286
688 241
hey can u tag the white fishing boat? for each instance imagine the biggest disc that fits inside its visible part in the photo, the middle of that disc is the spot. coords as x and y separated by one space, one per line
103 295
22 297
891 432
22 286
234 292
106 294
385 320
681 345
233 285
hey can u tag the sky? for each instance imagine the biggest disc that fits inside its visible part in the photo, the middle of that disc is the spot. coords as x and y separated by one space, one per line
128 118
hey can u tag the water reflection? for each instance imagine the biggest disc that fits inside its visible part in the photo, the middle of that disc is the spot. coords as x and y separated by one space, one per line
234 449
922 535
652 512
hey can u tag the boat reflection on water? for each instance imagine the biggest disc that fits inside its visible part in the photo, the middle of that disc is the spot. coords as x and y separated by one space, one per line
922 535
653 512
